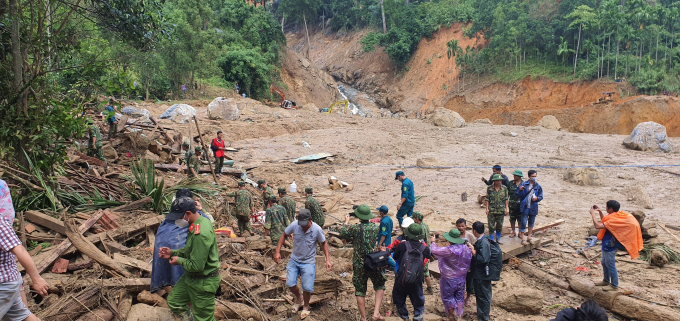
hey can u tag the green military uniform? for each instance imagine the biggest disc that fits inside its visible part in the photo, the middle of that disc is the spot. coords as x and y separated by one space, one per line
266 194
276 222
314 207
96 149
195 163
289 204
187 155
496 201
244 206
513 203
198 285
363 235
426 238
113 129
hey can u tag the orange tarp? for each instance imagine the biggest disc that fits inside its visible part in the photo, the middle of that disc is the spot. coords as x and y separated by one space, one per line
626 230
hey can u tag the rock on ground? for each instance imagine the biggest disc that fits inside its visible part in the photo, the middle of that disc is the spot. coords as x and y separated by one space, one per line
549 122
427 162
484 121
447 118
638 196
649 136
583 176
143 312
178 110
109 152
659 258
223 108
523 301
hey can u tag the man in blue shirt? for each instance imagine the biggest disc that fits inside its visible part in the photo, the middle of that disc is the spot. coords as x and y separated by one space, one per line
530 193
385 228
408 197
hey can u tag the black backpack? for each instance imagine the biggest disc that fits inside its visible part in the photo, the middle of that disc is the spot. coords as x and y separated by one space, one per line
411 270
374 261
496 261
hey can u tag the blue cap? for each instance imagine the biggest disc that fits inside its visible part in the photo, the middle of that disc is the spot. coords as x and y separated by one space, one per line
383 209
498 167
399 173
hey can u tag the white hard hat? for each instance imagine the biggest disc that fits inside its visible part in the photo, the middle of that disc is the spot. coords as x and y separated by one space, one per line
406 222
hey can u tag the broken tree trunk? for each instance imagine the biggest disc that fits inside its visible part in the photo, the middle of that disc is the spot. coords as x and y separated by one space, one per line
98 314
124 305
70 307
538 273
86 247
45 259
152 299
231 310
621 304
131 206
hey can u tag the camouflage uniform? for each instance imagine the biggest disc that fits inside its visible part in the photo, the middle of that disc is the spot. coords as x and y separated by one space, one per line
244 206
194 163
96 150
513 203
313 206
363 244
265 196
276 222
187 155
289 204
496 201
426 237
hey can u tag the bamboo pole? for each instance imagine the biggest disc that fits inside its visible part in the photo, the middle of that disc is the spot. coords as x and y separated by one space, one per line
200 137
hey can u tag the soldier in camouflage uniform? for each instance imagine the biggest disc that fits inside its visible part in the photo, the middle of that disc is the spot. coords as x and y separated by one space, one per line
194 163
364 235
244 208
496 206
418 218
94 142
266 192
287 203
276 220
514 201
313 206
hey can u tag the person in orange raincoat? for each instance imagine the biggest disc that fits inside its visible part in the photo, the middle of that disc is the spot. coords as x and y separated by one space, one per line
618 230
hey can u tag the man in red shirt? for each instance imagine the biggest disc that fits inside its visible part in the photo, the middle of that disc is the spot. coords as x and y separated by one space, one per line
218 148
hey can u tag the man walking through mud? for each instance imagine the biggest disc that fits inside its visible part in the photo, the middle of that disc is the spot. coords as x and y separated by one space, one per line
408 197
318 216
266 192
306 234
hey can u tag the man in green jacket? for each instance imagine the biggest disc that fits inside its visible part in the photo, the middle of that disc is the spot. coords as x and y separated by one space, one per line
200 260
245 207
313 206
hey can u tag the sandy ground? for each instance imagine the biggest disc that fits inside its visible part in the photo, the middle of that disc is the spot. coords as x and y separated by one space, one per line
368 151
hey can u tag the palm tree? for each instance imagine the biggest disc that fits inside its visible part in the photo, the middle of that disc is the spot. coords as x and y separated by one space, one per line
452 49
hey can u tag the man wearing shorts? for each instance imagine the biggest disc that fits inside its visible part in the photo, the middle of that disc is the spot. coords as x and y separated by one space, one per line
306 234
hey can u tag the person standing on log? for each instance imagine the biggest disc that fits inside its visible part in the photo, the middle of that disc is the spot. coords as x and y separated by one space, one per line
454 262
513 203
245 207
530 193
266 192
362 235
12 307
408 197
318 216
306 235
618 231
172 233
496 170
200 260
194 163
418 219
287 203
276 220
218 149
496 207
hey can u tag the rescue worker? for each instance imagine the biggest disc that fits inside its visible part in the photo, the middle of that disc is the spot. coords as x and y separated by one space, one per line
245 207
276 220
496 170
266 192
363 235
194 163
287 203
496 206
94 142
513 203
187 155
418 218
314 207
408 197
218 148
111 120
200 260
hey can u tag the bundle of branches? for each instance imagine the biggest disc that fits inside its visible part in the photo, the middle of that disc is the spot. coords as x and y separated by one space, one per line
83 182
646 253
90 201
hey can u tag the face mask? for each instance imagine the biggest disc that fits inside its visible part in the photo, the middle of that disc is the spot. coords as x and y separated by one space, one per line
181 223
533 179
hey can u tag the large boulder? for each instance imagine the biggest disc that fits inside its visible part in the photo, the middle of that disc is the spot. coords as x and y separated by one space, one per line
523 301
180 113
447 118
649 136
143 312
583 176
223 108
638 196
549 122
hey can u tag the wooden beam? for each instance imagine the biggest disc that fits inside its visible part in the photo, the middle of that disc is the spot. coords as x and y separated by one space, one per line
132 206
130 284
151 236
170 140
45 220
87 247
116 247
668 231
90 160
132 262
513 246
538 228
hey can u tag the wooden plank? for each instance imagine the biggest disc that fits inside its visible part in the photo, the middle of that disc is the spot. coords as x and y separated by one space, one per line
45 220
132 262
168 137
225 239
668 231
513 246
151 236
132 206
541 228
115 247
130 284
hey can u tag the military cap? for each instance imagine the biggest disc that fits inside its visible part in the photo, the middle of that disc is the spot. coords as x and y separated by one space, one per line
309 190
497 177
282 190
260 181
272 198
417 216
241 184
198 149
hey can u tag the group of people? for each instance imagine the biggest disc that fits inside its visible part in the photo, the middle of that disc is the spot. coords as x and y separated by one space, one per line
94 136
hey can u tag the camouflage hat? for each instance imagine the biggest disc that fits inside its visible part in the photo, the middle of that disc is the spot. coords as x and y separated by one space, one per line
241 184
198 149
282 190
272 198
185 144
417 216
309 190
496 177
260 182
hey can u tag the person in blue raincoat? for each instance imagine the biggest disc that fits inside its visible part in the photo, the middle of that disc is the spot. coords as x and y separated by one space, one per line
172 233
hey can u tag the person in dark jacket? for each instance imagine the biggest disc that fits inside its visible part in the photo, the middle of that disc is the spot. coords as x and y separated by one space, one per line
588 311
496 170
414 234
482 271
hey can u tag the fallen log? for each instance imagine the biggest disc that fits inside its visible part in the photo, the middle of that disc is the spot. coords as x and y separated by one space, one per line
88 248
132 285
115 247
538 273
90 160
132 206
152 299
124 305
132 262
232 310
623 305
45 259
46 221
98 314
80 263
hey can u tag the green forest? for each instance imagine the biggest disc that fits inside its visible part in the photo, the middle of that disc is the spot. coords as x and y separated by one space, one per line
58 57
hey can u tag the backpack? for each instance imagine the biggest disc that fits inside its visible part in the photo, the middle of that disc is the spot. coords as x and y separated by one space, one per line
496 261
374 261
214 147
411 270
